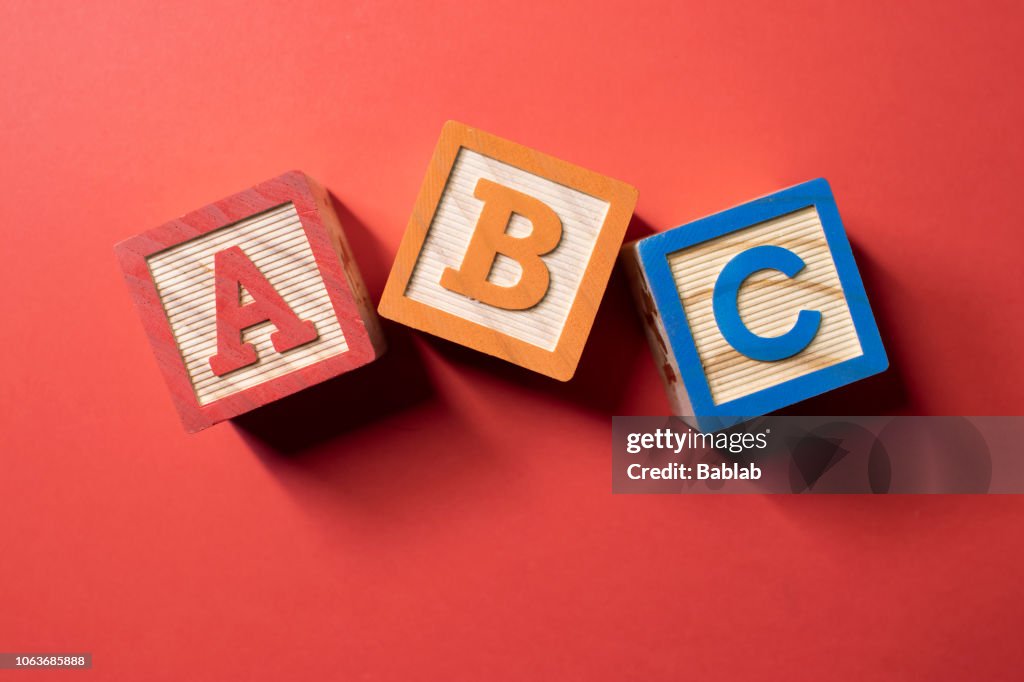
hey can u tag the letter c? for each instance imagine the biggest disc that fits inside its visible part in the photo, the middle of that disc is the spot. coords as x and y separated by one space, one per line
727 314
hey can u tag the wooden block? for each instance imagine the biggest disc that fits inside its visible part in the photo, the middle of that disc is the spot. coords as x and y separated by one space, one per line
250 299
508 251
755 308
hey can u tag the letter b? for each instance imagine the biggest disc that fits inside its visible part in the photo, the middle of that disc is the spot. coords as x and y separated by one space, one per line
508 251
491 238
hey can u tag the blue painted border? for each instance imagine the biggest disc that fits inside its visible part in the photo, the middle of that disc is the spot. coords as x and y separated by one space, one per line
653 253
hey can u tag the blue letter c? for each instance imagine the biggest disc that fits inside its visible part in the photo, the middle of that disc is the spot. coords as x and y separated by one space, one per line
727 314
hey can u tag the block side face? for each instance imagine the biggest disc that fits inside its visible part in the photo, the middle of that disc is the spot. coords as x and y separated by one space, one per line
364 304
656 334
453 225
768 302
276 243
652 254
368 323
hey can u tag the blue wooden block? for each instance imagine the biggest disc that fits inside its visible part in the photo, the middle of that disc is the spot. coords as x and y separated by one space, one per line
756 308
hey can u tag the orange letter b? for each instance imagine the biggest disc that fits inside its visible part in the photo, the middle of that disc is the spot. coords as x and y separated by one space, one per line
490 238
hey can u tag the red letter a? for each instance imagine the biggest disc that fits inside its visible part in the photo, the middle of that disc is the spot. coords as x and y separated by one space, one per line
233 270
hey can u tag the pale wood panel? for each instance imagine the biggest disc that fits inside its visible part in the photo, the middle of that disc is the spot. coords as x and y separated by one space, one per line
276 243
457 214
768 303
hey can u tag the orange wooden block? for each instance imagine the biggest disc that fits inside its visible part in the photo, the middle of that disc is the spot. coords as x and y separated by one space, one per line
508 251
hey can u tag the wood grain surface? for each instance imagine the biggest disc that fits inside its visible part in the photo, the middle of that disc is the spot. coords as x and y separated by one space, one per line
594 211
768 303
287 227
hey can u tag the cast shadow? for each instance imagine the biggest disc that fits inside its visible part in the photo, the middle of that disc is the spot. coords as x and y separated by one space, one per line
395 382
862 515
616 343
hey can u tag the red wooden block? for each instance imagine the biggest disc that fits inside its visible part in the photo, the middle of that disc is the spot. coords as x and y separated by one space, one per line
250 299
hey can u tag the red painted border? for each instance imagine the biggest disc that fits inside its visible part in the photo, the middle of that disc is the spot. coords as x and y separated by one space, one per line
311 203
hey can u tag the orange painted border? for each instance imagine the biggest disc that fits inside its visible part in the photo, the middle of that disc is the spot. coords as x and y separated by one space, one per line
559 363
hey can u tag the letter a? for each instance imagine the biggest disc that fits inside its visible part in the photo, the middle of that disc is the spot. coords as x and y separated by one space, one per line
490 238
232 271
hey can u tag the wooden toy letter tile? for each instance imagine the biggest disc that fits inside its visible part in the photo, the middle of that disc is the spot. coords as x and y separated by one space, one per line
508 251
755 308
250 299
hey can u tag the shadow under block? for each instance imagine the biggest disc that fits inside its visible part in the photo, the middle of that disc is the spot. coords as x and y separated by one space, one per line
508 251
755 308
250 299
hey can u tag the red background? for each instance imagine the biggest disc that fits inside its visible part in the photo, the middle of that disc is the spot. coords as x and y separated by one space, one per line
443 515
